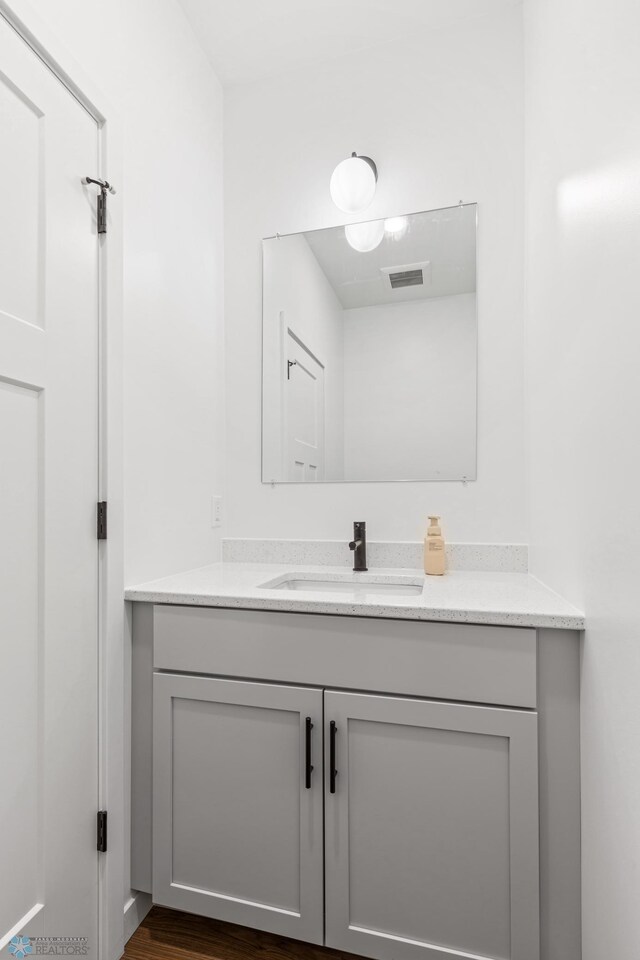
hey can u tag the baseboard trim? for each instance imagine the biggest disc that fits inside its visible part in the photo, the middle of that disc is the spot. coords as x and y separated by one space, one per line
135 910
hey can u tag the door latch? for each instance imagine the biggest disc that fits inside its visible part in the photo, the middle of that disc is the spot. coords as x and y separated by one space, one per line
105 187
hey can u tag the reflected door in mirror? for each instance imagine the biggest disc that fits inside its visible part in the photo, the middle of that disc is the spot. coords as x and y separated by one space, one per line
304 413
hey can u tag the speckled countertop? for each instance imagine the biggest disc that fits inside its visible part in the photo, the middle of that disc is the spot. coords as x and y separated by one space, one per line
502 599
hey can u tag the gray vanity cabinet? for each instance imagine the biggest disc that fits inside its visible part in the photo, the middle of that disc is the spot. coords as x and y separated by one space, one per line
451 825
431 829
238 831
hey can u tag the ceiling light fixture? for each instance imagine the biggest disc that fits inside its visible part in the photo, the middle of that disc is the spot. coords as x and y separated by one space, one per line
365 237
396 226
353 183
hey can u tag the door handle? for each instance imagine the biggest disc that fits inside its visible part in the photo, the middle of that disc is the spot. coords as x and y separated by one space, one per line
333 773
307 748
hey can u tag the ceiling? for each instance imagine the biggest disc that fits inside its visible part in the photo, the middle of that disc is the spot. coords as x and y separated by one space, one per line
250 40
441 242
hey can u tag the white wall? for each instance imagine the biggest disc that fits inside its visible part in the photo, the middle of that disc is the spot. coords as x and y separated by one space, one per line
298 296
148 62
410 389
443 118
583 330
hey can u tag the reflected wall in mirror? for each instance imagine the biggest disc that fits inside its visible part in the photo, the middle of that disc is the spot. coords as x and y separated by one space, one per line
370 351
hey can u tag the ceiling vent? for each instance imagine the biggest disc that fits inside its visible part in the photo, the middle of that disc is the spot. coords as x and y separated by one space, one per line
407 275
406 278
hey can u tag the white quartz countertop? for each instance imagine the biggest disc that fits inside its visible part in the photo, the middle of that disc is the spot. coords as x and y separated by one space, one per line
502 599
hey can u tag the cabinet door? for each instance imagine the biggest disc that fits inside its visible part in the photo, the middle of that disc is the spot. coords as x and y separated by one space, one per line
237 818
431 833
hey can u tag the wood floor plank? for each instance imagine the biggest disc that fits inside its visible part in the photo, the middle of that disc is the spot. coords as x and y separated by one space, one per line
170 935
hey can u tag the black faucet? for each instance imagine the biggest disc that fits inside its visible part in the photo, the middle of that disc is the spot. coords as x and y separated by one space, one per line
359 546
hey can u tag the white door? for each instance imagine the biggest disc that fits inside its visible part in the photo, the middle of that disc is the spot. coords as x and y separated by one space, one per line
304 412
48 487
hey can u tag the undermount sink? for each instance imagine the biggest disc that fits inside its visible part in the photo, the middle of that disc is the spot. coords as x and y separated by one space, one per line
347 584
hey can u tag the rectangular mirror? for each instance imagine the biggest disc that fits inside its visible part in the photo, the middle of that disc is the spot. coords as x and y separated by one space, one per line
370 351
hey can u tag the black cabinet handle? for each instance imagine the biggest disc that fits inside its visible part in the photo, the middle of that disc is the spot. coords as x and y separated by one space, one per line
307 746
333 773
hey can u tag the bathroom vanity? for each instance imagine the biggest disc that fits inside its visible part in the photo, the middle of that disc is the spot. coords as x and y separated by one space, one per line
392 776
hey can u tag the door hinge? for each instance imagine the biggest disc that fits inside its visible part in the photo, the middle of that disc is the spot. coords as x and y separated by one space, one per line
105 187
102 520
102 831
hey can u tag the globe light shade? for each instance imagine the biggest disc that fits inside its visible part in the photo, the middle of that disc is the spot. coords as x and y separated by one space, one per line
353 184
396 227
365 237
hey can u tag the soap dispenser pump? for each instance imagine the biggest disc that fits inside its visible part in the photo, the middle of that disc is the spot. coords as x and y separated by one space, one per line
434 555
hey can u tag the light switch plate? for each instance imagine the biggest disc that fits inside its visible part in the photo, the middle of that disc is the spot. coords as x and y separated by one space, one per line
216 511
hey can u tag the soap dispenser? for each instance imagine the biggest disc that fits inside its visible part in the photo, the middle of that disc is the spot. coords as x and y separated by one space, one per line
434 555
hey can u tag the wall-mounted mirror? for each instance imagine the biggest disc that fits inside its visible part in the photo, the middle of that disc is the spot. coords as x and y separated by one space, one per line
370 351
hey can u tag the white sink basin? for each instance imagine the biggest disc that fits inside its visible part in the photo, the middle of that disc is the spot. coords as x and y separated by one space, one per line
352 585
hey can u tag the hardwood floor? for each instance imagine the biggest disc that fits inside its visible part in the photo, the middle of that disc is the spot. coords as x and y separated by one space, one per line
169 935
